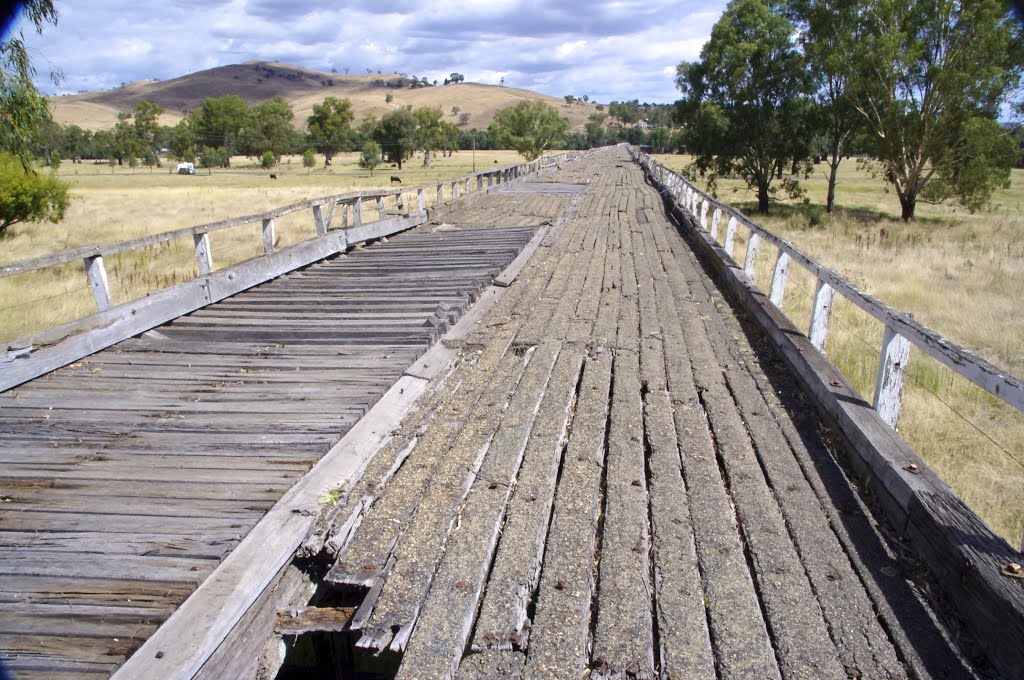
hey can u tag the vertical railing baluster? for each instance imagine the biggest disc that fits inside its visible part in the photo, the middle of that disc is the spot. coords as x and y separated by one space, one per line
268 235
892 366
779 277
204 257
821 314
749 262
97 275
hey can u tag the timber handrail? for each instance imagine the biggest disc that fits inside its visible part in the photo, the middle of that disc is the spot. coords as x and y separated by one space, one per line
968 562
502 174
46 350
900 329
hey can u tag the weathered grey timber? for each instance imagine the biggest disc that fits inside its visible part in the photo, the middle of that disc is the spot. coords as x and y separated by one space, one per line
140 468
660 515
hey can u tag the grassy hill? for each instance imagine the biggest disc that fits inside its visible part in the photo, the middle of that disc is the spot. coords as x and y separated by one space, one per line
257 81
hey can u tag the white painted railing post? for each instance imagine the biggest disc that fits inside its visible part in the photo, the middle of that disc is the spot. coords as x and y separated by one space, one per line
892 367
703 212
440 195
318 220
479 182
97 274
490 179
820 315
749 262
357 212
203 255
468 185
716 217
779 279
400 202
421 200
730 235
268 235
381 209
455 190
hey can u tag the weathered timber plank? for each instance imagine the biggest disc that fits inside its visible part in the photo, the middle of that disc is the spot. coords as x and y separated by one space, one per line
513 579
558 643
363 558
624 637
419 549
445 621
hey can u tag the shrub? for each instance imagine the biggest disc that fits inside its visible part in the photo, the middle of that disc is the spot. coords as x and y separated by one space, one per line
28 196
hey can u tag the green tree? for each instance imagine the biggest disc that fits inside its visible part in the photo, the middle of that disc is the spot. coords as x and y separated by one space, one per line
396 134
370 158
211 157
268 160
931 77
433 133
743 103
308 160
269 128
183 142
29 196
147 129
828 36
330 127
529 127
22 108
219 122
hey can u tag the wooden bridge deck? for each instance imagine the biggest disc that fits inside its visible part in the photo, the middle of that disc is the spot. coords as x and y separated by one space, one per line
616 478
127 476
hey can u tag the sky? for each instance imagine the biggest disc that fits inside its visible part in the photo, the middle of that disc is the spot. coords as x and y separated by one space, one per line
609 50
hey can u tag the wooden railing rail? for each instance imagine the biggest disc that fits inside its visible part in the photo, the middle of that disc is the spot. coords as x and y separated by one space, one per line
900 330
351 204
46 350
971 566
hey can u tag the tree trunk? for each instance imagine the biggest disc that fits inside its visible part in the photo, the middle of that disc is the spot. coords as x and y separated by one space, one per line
835 158
762 197
426 158
908 202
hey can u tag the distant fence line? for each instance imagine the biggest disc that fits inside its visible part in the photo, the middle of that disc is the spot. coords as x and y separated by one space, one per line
336 231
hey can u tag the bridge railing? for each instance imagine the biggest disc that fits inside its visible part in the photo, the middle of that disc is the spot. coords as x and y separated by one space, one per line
975 570
338 222
722 222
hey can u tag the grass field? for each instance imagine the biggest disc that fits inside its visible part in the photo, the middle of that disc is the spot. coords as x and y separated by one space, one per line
959 274
116 204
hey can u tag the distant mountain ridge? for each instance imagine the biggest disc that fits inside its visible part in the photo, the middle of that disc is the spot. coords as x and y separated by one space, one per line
257 81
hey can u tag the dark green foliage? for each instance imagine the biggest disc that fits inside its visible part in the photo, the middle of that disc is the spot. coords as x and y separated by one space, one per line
330 127
529 127
396 134
744 107
29 196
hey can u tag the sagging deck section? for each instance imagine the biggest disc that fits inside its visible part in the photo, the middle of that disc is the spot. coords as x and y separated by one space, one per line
618 480
128 475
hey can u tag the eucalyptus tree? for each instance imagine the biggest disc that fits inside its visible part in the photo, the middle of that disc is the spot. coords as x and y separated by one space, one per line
744 108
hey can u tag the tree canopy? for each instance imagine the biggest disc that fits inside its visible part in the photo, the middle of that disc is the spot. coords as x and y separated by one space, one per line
743 102
529 127
23 110
396 134
330 127
931 76
29 196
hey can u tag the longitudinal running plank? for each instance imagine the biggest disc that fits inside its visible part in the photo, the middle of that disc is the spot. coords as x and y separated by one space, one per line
445 621
152 459
419 549
558 643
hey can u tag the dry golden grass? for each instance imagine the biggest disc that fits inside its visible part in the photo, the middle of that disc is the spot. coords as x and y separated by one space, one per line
302 88
118 204
959 274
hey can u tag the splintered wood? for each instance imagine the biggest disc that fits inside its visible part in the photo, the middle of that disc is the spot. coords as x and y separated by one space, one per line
615 480
126 477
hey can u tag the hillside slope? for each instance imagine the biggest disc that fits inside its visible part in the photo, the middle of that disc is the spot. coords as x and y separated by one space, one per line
257 81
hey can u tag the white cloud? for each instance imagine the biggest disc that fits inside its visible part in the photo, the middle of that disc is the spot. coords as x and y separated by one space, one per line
608 49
